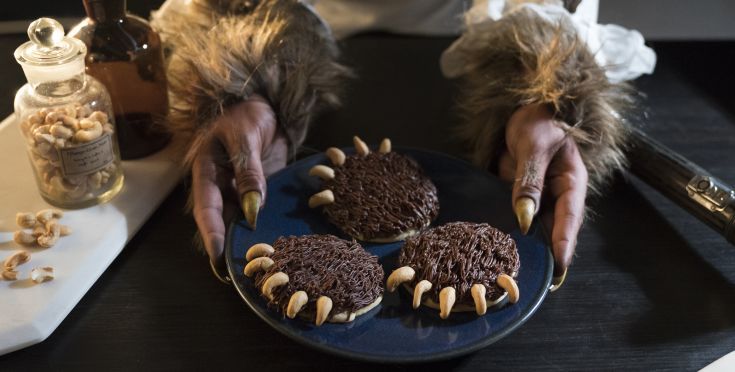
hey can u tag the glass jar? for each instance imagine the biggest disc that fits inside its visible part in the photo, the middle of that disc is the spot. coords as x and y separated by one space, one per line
67 121
126 55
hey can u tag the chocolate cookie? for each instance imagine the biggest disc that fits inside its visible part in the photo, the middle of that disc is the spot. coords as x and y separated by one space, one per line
319 277
460 266
375 196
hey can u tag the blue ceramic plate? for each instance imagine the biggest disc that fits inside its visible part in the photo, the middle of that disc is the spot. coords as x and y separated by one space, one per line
393 331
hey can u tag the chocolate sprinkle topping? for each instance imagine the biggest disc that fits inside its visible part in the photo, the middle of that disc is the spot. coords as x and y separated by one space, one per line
460 254
381 196
324 265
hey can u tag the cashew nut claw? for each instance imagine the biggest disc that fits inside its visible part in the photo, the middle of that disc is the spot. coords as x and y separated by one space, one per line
420 289
296 303
478 295
360 146
321 198
336 156
322 171
258 264
385 146
323 307
276 280
509 284
259 250
447 296
400 275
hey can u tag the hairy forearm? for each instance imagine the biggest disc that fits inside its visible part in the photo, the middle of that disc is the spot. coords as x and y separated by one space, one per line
523 59
224 52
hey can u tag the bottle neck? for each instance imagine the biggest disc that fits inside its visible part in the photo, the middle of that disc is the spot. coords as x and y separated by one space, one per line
105 11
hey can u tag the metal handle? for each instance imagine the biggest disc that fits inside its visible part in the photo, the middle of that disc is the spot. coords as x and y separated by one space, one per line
687 184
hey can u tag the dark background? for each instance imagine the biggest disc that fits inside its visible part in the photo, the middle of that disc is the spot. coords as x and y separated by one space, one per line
19 10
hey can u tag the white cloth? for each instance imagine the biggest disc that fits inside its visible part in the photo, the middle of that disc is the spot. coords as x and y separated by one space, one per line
619 51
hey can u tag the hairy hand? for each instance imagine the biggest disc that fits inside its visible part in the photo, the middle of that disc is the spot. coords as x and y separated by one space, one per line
541 159
246 146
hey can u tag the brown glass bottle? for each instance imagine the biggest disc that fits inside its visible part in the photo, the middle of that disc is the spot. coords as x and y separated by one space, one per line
125 54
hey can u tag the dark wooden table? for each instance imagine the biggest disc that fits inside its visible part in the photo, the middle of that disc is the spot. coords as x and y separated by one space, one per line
651 287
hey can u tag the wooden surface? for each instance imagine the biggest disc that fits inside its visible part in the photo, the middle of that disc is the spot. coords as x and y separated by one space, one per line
651 287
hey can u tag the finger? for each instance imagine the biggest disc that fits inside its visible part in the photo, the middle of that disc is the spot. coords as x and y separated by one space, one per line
569 187
208 203
529 182
533 139
244 130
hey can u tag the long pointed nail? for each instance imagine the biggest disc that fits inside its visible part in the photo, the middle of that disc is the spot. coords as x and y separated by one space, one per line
220 276
557 281
251 207
525 208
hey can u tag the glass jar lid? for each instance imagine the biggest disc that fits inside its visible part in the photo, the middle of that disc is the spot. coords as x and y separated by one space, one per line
50 56
48 45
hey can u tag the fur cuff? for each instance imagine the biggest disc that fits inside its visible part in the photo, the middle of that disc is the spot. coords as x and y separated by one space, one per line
226 51
525 59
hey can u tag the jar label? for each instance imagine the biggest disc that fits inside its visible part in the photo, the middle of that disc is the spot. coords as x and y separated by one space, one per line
87 158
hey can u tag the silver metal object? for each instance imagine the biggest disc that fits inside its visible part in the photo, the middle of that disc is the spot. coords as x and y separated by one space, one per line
687 184
710 192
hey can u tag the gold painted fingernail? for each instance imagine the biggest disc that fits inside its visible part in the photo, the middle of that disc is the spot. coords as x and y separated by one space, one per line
251 207
524 209
557 281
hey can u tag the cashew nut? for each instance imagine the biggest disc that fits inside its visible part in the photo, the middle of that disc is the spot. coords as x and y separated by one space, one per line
45 215
71 122
321 198
35 118
105 177
61 185
44 137
44 150
83 111
38 230
15 259
60 131
70 111
25 220
42 274
95 180
53 117
10 275
89 133
98 116
24 238
53 232
400 275
43 165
